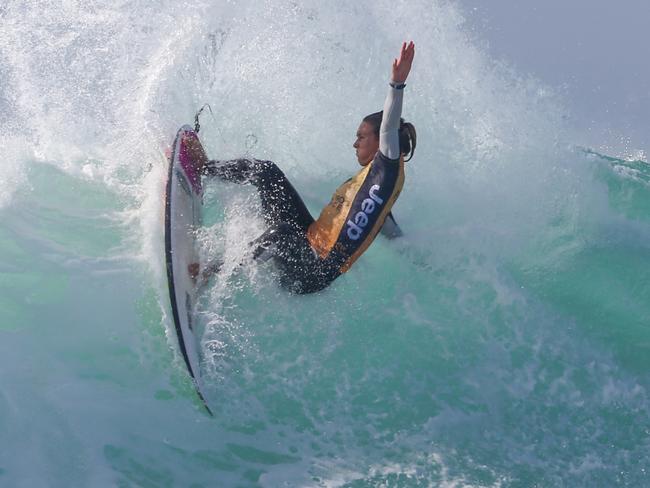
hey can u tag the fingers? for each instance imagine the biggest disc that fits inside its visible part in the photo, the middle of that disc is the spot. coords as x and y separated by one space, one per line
407 52
402 64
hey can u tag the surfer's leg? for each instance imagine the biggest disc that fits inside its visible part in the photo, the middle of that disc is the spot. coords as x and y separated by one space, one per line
235 170
300 269
273 242
280 200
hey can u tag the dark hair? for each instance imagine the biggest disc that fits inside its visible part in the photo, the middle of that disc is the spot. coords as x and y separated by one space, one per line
407 136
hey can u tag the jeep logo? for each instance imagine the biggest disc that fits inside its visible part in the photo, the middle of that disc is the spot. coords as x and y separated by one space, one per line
355 229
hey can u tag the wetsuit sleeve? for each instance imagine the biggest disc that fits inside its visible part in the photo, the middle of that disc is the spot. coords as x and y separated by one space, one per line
389 129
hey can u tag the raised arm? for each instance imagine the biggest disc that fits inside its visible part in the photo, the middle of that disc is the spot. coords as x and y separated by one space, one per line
389 130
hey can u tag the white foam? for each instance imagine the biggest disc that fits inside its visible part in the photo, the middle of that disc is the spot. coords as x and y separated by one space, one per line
15 156
100 92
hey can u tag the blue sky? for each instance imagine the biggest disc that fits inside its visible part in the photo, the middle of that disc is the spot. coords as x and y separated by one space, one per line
595 52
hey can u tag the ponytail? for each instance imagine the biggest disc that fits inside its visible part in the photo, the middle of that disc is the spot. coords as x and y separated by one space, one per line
408 139
407 135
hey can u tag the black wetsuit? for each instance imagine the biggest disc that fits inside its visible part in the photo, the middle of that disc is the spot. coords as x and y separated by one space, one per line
312 253
302 271
302 268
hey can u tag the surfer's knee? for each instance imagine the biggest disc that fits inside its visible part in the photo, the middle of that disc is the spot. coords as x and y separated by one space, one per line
274 233
268 170
266 245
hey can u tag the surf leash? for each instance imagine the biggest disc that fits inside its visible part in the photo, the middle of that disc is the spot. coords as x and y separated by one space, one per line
197 126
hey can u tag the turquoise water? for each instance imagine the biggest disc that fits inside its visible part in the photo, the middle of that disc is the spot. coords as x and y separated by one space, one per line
502 342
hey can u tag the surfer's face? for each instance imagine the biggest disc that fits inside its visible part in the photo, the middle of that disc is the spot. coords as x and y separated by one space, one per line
367 144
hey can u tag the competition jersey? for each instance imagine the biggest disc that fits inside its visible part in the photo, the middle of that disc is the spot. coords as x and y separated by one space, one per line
357 211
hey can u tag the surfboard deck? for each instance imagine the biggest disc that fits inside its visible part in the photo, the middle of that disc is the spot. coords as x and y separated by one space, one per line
183 204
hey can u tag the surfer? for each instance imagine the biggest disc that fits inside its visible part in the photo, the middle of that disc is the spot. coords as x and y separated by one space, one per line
309 253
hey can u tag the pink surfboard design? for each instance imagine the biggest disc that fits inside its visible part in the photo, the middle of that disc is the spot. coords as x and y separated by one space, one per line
187 139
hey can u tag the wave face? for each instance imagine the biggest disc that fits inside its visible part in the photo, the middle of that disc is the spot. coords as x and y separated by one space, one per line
503 341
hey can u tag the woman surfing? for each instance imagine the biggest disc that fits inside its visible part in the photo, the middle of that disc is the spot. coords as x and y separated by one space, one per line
311 253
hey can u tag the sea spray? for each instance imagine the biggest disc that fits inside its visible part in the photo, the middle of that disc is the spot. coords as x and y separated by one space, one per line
501 342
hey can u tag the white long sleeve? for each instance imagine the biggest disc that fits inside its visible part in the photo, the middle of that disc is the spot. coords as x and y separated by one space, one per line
389 130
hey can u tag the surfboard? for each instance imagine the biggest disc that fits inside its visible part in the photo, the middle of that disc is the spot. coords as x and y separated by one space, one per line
183 204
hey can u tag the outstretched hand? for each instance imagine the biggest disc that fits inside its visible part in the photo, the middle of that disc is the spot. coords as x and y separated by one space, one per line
402 65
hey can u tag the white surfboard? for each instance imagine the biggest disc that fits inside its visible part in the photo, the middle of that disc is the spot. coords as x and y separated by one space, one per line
183 203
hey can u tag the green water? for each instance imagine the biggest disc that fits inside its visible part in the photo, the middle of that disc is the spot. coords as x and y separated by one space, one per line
502 342
528 372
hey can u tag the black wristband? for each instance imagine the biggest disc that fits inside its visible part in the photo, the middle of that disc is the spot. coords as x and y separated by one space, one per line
397 86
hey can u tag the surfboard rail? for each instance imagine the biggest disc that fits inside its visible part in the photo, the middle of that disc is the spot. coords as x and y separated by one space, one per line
183 202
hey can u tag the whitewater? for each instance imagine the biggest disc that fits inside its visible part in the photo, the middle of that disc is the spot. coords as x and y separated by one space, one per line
503 341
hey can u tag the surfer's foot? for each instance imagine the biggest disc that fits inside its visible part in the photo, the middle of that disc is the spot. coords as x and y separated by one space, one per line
193 270
201 277
212 268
